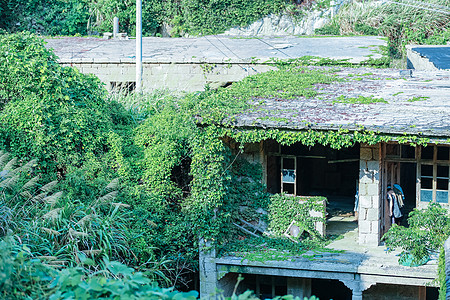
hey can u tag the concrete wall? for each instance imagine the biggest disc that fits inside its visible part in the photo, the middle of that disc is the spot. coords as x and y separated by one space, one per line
187 77
369 195
418 62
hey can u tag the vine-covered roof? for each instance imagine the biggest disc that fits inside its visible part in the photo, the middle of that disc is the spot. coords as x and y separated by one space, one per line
385 101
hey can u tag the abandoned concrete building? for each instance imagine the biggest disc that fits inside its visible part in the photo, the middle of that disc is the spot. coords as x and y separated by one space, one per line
189 64
416 106
364 270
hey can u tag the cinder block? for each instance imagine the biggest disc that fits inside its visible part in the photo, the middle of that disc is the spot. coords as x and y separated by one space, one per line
365 201
376 201
362 238
373 165
375 227
364 177
372 239
372 214
372 189
364 226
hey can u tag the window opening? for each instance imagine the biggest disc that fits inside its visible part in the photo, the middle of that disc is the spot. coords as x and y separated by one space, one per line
123 87
289 175
435 174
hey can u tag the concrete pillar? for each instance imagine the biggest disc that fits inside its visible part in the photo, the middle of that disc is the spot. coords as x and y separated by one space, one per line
299 287
369 195
208 270
357 295
116 27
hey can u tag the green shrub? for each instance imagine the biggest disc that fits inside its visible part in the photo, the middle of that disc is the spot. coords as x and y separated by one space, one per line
49 112
331 28
25 277
62 17
284 209
428 229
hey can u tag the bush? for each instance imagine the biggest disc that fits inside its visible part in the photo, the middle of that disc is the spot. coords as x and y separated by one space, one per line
49 112
62 17
70 17
428 229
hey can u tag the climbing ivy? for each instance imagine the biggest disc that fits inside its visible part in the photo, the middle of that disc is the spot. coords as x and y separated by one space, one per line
284 209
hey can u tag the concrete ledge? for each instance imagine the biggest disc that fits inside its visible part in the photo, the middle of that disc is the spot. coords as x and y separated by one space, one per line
428 57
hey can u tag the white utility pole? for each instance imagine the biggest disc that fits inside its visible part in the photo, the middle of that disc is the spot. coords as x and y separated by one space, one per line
116 27
138 45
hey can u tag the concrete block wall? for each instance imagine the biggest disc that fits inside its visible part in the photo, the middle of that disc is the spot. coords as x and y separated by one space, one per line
181 76
369 195
207 269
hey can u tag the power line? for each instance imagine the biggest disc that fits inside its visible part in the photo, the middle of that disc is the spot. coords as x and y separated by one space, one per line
264 42
234 53
227 47
220 50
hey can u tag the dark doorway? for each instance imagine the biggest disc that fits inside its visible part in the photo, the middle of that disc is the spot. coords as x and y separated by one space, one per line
326 289
317 171
408 177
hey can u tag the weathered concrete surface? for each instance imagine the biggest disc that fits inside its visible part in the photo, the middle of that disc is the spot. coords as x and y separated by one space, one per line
428 57
189 64
212 49
417 105
359 267
369 190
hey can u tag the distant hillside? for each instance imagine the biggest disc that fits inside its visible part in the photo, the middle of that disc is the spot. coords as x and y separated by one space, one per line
70 17
401 21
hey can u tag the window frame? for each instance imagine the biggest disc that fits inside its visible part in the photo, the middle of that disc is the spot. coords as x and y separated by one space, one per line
435 163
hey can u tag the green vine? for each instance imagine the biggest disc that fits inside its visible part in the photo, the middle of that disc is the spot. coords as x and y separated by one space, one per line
284 209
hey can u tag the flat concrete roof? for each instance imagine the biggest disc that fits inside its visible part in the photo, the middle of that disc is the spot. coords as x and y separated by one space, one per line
214 49
373 264
439 56
418 105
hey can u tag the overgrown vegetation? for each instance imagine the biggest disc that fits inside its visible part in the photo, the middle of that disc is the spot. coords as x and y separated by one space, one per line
90 185
61 17
401 22
427 231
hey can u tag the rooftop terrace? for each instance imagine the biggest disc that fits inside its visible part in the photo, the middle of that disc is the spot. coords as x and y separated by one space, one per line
358 266
214 49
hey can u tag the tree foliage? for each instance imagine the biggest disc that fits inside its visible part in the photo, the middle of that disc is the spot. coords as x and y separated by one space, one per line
70 17
49 112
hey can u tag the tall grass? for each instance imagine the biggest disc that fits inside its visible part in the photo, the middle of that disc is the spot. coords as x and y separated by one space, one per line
61 231
401 21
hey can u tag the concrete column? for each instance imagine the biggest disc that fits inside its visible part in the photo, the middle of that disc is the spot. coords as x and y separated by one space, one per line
115 27
208 270
357 295
299 287
369 195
